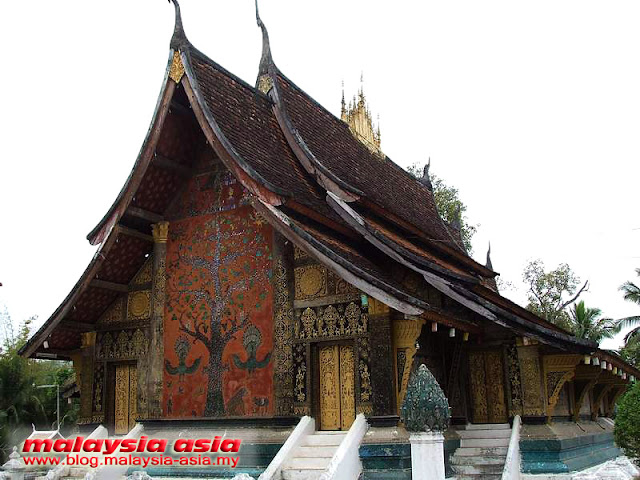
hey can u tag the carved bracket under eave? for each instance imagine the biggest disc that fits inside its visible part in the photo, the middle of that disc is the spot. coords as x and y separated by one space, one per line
558 369
585 379
405 336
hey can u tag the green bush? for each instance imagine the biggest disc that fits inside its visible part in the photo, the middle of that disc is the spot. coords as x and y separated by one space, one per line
627 427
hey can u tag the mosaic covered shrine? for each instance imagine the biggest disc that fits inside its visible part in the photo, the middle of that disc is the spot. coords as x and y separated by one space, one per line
265 260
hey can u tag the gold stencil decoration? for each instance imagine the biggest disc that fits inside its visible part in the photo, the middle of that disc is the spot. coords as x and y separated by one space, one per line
144 274
115 313
139 306
298 253
311 281
176 72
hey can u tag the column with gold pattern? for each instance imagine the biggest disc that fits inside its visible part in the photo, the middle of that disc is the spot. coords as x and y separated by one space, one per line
156 342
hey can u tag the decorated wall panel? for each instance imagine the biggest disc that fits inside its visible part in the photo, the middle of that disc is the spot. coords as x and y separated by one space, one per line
218 335
533 403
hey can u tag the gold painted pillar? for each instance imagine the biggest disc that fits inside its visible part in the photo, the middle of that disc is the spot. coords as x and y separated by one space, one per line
156 327
405 336
533 401
83 367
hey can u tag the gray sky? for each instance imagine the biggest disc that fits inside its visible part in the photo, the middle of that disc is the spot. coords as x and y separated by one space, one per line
531 109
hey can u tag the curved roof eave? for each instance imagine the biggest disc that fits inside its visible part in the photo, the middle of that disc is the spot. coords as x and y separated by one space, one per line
142 161
221 144
29 348
400 301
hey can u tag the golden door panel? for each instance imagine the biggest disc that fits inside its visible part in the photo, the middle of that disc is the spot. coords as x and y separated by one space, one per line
125 398
329 388
347 387
337 387
487 387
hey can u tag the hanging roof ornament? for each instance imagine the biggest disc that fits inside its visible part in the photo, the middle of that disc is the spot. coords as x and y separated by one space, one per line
425 407
179 38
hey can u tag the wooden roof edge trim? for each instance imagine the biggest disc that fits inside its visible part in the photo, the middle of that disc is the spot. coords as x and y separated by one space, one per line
81 285
131 184
541 332
487 292
614 358
327 222
458 256
388 245
225 150
439 316
349 272
323 176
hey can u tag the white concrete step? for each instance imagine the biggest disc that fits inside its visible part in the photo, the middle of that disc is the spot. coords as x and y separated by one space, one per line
324 438
307 463
488 426
301 474
484 433
78 471
478 469
475 460
315 451
480 476
473 451
484 442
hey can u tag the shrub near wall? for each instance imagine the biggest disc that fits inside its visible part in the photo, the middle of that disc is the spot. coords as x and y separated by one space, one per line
627 427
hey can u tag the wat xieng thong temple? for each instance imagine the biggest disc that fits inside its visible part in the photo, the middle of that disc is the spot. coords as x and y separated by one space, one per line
265 261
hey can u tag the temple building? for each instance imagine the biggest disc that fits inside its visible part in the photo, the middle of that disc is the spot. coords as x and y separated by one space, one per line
265 261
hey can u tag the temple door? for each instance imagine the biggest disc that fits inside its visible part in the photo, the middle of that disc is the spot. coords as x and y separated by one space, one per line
487 386
337 387
125 398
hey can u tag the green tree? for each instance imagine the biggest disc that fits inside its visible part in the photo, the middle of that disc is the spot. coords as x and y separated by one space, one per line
450 207
631 293
631 350
627 427
550 293
21 404
588 323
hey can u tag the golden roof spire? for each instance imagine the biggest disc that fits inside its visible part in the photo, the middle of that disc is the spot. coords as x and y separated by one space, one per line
359 119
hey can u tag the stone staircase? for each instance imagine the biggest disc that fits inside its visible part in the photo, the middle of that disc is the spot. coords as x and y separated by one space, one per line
70 473
482 452
312 458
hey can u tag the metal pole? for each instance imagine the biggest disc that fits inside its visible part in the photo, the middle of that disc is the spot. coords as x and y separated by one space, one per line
58 406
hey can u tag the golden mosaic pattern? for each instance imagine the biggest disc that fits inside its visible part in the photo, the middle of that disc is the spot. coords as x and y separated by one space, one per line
139 305
311 282
176 72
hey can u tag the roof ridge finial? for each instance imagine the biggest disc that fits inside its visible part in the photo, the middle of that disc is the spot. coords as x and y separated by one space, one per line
266 60
179 38
489 265
343 111
426 178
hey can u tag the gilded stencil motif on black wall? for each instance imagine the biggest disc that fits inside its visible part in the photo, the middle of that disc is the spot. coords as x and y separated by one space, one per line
98 391
331 321
121 345
515 386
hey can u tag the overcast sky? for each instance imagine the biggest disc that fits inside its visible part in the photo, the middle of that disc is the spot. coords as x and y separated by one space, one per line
531 109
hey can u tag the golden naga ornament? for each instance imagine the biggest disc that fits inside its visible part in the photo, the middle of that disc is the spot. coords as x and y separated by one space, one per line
176 72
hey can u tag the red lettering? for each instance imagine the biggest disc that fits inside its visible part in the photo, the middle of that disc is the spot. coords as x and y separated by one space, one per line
216 444
91 445
111 446
142 443
155 445
37 445
202 445
62 445
77 445
128 445
183 445
230 445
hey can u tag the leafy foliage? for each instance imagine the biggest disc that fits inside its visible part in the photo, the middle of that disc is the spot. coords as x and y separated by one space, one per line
627 426
21 403
631 352
588 323
449 205
550 293
631 293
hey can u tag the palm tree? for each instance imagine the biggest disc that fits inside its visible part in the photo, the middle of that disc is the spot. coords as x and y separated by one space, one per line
587 323
631 293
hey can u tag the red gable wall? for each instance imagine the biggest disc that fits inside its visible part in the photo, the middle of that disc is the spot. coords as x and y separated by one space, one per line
219 306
